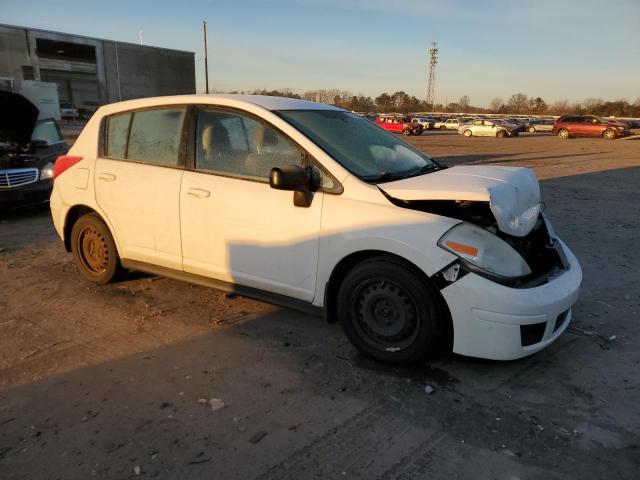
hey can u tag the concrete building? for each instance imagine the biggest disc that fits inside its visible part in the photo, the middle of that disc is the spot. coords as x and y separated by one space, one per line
89 71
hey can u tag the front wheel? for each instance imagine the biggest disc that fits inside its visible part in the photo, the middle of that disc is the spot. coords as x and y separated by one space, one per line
467 133
532 129
388 311
94 250
501 134
563 133
609 134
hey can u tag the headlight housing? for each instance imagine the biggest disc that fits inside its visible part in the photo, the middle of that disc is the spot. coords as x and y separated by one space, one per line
485 251
46 171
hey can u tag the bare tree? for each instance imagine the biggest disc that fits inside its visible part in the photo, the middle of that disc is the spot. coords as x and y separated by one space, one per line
495 104
560 107
464 103
518 103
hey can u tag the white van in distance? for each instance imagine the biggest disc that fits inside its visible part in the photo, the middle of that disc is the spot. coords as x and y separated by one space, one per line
312 207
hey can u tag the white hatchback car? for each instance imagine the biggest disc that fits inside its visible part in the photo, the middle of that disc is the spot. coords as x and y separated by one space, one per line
310 206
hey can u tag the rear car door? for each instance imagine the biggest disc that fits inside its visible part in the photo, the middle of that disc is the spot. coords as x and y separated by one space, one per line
137 183
235 227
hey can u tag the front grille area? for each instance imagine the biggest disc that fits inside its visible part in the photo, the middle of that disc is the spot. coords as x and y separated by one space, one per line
540 252
17 176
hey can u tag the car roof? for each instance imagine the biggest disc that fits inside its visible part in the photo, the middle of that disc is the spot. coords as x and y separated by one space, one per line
228 100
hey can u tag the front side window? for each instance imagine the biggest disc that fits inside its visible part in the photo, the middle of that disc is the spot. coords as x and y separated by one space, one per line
234 144
369 152
155 136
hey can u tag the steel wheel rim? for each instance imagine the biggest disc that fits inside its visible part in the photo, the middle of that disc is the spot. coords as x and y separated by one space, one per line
385 315
92 250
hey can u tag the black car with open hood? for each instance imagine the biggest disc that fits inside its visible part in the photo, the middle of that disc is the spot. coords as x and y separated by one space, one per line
28 150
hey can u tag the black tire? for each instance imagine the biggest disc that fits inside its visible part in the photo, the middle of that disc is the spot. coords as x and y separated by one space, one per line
442 127
501 134
609 134
563 133
94 250
390 312
467 133
406 132
532 129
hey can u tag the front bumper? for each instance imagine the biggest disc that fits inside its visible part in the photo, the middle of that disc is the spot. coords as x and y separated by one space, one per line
488 318
25 195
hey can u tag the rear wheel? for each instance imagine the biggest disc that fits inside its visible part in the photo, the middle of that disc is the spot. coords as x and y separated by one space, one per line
406 132
442 127
467 133
94 250
563 133
389 311
609 134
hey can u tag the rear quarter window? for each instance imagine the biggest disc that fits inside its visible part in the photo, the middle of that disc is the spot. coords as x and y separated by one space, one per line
117 131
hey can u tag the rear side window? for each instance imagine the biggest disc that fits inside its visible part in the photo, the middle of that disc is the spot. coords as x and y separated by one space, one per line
155 136
117 130
47 131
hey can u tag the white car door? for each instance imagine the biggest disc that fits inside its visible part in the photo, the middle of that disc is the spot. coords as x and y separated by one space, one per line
235 227
137 184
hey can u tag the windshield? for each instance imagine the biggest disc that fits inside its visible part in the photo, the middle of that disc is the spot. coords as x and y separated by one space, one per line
366 150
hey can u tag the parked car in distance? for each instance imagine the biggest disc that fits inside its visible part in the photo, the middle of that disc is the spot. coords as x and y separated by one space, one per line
399 125
28 150
451 123
68 111
539 125
487 128
424 121
569 126
310 206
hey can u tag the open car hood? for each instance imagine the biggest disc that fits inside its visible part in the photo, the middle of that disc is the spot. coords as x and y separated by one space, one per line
513 193
18 117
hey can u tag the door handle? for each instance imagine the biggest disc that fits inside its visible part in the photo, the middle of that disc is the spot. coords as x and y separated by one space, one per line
107 177
199 192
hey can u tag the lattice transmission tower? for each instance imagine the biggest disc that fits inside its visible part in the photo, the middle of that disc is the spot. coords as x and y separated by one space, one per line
431 85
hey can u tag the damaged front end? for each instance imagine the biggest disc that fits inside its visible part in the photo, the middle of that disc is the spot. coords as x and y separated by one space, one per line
539 252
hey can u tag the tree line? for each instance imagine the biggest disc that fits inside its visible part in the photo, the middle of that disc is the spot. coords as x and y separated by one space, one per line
518 103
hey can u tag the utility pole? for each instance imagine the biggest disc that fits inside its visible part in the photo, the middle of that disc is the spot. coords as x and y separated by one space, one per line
141 37
206 62
431 85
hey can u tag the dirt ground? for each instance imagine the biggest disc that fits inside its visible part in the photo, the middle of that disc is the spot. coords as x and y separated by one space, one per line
115 381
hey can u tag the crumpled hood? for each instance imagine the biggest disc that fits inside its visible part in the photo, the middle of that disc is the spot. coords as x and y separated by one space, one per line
513 193
18 117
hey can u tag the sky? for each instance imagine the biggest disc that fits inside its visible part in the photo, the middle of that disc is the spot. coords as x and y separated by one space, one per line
555 49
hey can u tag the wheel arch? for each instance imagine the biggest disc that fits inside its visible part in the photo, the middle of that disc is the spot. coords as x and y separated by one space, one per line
72 216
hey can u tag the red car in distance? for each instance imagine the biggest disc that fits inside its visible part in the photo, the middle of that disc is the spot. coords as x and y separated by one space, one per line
399 125
589 126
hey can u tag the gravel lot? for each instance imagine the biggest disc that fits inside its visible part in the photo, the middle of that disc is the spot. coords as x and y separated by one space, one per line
115 381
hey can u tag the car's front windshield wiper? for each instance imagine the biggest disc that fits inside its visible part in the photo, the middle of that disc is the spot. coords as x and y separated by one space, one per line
390 176
383 176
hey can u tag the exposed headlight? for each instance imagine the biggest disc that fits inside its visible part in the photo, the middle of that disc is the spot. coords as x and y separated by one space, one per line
484 250
46 171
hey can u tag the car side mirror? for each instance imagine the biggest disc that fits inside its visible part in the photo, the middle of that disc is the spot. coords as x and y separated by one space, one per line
293 178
